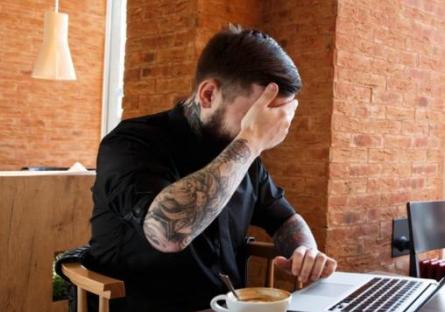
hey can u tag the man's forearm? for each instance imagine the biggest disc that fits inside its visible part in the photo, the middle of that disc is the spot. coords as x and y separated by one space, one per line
293 233
185 208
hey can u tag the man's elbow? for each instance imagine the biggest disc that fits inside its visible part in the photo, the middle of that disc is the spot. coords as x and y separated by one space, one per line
159 236
168 248
164 245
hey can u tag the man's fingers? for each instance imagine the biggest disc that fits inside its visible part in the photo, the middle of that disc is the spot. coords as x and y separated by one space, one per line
268 95
283 264
293 105
329 268
297 260
319 265
308 264
292 108
287 110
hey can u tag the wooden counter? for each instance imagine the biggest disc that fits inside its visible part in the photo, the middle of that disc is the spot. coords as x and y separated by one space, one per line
41 213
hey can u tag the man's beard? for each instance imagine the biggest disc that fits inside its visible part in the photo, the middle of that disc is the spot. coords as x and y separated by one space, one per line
213 131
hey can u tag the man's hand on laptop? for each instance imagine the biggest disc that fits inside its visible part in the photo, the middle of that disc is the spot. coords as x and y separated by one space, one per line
307 265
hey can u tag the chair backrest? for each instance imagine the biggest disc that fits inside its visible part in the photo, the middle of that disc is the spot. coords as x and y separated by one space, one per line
104 287
266 251
427 229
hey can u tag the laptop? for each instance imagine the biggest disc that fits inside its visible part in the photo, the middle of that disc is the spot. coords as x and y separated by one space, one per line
355 292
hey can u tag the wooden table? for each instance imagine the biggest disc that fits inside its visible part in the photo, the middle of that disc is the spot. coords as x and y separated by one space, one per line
41 213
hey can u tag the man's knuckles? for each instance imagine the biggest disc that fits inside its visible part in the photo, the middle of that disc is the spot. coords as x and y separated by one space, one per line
300 251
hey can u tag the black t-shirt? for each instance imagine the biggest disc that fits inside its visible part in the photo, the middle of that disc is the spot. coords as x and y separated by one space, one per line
135 162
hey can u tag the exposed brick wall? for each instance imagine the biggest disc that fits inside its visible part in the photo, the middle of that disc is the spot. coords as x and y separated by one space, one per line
217 13
387 124
46 122
306 31
160 54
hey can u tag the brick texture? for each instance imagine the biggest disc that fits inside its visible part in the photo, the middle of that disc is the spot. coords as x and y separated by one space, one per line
48 123
387 124
160 54
300 164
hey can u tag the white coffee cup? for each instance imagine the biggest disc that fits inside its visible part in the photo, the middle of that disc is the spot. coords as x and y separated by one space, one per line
254 299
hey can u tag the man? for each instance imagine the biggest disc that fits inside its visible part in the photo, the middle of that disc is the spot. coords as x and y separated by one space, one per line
175 192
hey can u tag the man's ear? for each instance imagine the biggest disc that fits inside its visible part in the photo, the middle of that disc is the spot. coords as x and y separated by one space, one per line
207 92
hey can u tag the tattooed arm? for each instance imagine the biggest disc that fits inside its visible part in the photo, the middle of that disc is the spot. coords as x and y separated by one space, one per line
182 210
302 259
292 234
185 208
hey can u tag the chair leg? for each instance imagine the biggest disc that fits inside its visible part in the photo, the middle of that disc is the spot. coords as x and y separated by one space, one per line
104 304
297 285
81 300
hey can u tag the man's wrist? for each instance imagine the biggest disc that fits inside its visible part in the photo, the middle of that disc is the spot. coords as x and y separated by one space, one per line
253 144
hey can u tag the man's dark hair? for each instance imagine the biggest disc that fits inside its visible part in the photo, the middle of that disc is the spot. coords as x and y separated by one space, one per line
237 58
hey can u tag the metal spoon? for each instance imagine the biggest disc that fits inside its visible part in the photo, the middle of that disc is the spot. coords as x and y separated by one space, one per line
226 279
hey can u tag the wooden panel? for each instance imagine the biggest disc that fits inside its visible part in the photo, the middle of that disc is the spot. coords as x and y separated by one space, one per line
39 215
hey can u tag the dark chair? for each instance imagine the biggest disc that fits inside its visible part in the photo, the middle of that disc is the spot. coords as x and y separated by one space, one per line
427 230
86 281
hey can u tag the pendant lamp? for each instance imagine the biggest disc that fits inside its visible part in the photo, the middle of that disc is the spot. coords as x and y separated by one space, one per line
54 60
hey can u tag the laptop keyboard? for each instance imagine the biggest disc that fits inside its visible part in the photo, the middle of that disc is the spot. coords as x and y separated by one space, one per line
378 295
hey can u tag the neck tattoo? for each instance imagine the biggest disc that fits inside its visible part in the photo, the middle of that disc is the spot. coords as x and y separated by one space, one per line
192 112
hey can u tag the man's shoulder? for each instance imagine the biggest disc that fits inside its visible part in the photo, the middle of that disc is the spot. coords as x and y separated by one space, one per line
149 123
148 128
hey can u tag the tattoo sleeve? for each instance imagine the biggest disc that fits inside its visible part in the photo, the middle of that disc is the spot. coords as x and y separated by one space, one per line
185 208
293 233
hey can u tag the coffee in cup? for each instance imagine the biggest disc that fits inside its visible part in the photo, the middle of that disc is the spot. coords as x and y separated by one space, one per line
255 299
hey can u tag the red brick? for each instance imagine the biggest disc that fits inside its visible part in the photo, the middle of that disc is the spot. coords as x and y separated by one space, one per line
346 217
413 183
350 186
397 141
353 155
341 139
338 170
367 170
365 140
382 184
399 113
414 128
387 97
425 169
395 169
353 92
363 201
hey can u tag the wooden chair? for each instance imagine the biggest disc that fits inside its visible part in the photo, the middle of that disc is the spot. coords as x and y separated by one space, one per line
104 287
426 222
107 288
267 251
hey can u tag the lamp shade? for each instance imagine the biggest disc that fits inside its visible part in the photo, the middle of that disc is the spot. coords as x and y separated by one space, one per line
54 59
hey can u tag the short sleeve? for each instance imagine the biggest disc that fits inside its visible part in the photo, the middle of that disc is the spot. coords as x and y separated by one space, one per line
130 174
272 208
